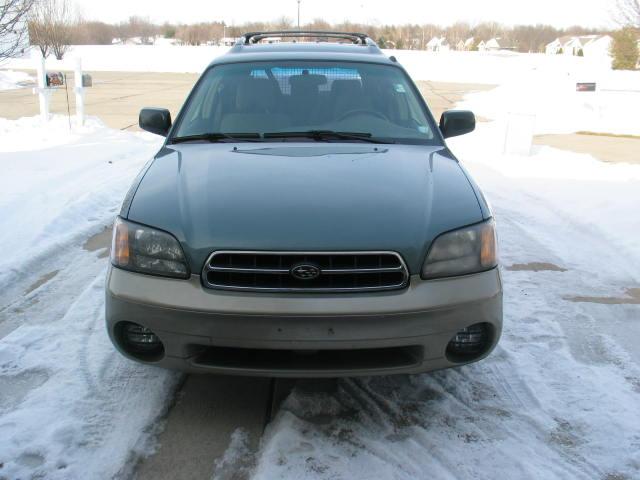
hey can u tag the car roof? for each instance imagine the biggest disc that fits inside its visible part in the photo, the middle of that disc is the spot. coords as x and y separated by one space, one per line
316 51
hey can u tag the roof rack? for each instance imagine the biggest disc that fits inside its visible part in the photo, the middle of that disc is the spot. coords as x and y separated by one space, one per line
255 37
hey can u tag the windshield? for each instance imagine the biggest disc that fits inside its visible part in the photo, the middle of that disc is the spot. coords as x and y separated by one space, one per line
299 96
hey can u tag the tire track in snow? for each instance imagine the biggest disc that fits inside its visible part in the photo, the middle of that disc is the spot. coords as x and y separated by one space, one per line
95 411
531 410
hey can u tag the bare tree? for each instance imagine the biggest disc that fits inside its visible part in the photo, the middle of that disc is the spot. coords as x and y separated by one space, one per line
282 23
143 28
13 26
459 31
93 33
51 27
628 13
38 30
197 34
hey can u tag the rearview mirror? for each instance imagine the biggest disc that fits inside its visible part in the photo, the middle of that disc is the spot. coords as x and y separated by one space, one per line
457 122
155 120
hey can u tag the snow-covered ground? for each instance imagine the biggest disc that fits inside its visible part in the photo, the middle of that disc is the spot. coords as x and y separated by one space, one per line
10 80
70 406
559 398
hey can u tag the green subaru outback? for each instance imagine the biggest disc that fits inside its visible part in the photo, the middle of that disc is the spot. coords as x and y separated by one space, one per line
304 218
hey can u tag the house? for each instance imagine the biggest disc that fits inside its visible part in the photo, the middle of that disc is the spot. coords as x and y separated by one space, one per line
598 47
568 45
482 46
469 43
465 45
554 47
494 45
593 46
438 44
573 46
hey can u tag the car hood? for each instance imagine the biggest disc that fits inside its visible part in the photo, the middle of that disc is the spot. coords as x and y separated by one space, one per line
304 197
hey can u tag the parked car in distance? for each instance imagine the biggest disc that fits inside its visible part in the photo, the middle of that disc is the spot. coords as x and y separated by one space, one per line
304 218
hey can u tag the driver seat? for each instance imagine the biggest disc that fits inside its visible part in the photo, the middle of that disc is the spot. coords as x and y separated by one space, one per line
348 95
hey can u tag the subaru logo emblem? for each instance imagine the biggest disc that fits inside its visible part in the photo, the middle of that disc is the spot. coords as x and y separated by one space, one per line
305 271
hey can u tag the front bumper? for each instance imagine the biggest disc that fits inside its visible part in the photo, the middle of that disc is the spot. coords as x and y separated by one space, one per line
204 330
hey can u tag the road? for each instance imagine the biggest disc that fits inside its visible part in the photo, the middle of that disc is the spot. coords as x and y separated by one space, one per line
608 148
115 97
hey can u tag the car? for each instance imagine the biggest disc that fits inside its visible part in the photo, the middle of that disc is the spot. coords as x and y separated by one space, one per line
304 218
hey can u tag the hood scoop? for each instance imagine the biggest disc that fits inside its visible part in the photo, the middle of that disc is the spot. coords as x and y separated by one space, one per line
313 151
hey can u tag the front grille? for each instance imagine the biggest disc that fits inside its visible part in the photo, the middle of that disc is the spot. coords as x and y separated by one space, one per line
305 271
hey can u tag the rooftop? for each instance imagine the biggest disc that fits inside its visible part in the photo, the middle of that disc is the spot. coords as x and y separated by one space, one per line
353 47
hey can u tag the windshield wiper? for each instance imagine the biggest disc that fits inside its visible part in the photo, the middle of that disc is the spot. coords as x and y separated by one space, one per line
320 135
217 137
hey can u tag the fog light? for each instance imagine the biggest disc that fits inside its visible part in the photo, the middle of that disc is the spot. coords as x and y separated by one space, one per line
469 342
140 341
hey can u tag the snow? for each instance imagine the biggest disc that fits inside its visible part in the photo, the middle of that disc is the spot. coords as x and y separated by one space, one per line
561 109
557 399
70 180
237 460
534 84
10 80
540 85
131 58
88 410
70 406
565 379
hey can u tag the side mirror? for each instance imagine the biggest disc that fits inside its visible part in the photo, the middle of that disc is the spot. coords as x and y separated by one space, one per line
155 120
457 122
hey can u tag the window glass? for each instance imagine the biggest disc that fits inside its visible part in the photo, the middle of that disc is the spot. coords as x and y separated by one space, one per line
295 96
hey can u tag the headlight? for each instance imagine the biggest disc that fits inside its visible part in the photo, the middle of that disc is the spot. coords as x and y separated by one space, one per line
461 252
147 250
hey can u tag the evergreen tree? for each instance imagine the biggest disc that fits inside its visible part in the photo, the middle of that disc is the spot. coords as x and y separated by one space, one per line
624 49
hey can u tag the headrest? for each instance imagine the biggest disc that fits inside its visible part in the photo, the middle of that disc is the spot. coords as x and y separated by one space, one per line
254 94
306 82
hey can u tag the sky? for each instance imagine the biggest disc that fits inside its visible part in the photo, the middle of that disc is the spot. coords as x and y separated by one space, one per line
559 13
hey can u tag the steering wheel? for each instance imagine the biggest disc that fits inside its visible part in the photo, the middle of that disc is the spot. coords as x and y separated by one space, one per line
362 111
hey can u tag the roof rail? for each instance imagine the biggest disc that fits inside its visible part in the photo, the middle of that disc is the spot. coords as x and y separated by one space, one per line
254 37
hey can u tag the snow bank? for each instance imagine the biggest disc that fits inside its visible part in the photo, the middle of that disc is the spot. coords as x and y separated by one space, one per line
71 407
58 183
10 80
29 133
599 196
132 58
552 98
78 409
540 85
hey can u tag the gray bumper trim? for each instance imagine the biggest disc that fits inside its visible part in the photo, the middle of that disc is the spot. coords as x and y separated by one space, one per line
187 317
